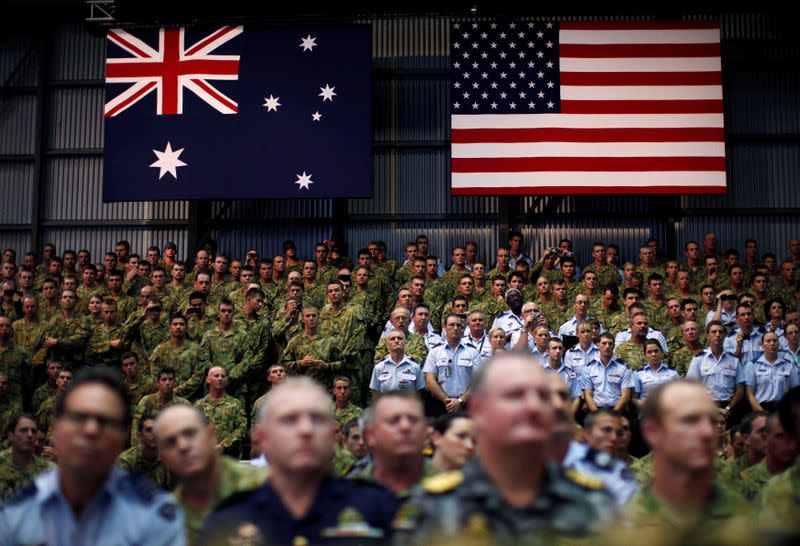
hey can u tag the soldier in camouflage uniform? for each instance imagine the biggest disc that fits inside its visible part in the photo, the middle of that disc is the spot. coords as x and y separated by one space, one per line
142 457
237 296
29 331
313 289
13 361
311 353
187 358
343 409
112 338
44 414
206 477
48 300
632 352
606 273
49 387
67 333
148 333
152 404
225 412
228 345
125 304
348 324
559 311
19 469
137 382
691 346
684 468
479 504
8 406
367 294
221 282
275 374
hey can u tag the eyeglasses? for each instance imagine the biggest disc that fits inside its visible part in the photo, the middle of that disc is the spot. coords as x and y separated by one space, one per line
107 424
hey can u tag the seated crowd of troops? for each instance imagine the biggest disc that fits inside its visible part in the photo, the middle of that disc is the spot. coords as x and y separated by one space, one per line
220 333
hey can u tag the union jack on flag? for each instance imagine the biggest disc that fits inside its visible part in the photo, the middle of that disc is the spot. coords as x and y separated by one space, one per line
170 69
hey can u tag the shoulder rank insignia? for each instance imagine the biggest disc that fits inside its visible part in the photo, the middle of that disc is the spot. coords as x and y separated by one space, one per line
444 482
584 480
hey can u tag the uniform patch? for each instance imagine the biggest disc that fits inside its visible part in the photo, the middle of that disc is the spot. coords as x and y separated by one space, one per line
584 480
168 511
444 482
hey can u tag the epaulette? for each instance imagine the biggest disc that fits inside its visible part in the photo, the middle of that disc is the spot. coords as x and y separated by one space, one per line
20 494
443 483
145 489
584 480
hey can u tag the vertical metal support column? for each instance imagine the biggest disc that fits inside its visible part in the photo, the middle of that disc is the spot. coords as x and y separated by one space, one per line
40 140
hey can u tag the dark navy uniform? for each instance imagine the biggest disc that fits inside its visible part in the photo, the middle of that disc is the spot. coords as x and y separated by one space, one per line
344 512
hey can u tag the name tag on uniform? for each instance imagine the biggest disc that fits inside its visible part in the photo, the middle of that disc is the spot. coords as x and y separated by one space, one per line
385 376
465 361
614 379
762 370
784 371
409 374
730 372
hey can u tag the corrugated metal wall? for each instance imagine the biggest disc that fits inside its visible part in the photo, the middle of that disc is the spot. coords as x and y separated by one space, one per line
411 158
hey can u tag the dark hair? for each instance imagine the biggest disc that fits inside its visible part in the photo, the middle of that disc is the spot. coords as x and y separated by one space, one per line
443 423
747 421
592 418
787 410
14 421
129 354
146 417
102 376
169 370
348 426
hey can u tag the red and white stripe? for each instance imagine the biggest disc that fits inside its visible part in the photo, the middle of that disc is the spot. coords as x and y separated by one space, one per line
170 69
641 112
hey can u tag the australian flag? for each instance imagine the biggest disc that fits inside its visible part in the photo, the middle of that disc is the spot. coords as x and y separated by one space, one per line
232 113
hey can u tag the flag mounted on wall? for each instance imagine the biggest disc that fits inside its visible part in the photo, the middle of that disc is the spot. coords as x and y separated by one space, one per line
230 113
544 107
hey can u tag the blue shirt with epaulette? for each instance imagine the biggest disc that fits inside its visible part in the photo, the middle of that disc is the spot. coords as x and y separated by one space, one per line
771 380
618 479
343 511
646 379
606 382
127 509
720 375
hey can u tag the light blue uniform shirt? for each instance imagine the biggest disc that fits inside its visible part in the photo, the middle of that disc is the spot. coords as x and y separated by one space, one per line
126 510
508 321
751 345
570 328
570 377
453 368
540 357
617 478
389 376
719 376
481 346
606 382
646 379
580 359
771 381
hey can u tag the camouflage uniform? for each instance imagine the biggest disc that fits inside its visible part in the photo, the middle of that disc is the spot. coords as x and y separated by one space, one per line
42 393
229 419
780 502
752 480
788 295
234 477
99 351
8 408
606 274
342 461
13 477
190 362
556 316
491 309
196 327
14 361
322 348
231 350
725 516
464 507
132 460
631 354
148 335
46 312
30 337
416 349
72 336
146 385
349 325
151 404
350 412
681 358
44 415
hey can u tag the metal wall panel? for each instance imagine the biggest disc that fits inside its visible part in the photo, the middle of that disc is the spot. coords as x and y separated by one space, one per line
383 199
77 54
411 36
17 124
100 240
443 236
14 49
762 103
760 174
268 240
628 234
772 232
75 118
20 241
423 109
15 192
271 208
73 191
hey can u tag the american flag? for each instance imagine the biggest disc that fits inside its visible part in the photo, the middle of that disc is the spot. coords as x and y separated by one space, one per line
595 107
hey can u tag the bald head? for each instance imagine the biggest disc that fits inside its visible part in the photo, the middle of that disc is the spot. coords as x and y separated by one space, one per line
186 442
